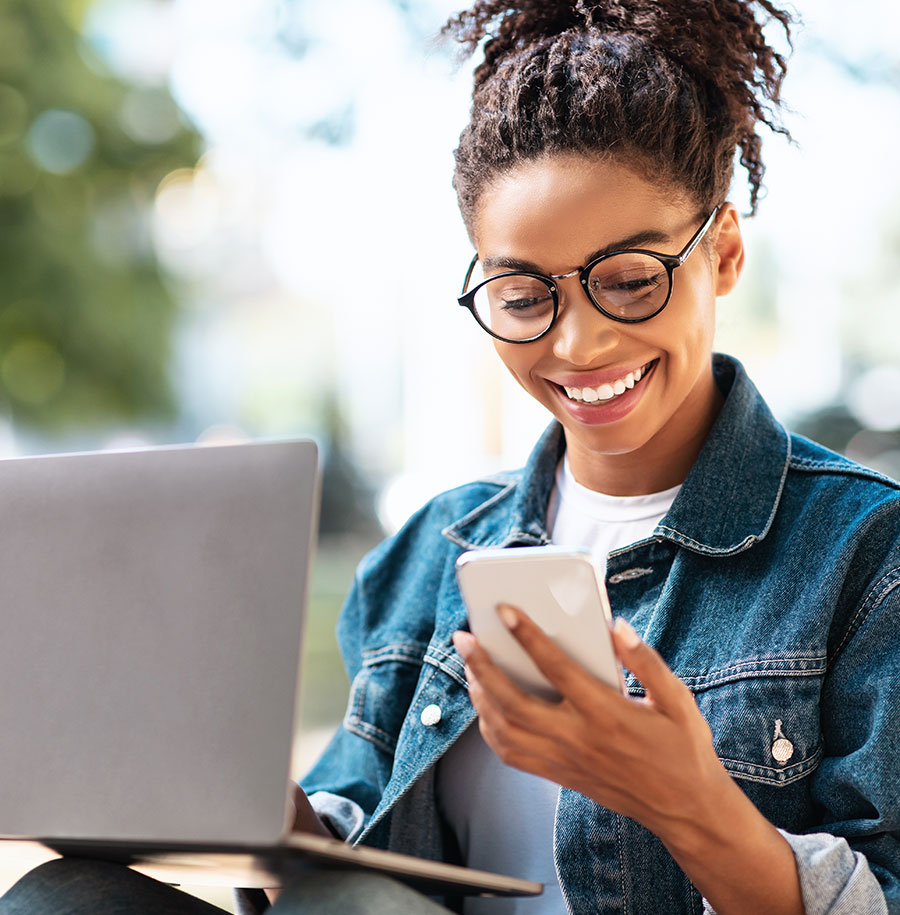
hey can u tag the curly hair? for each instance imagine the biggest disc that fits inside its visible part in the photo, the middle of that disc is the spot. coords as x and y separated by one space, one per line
673 88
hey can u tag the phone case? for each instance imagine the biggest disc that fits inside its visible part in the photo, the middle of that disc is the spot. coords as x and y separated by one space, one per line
556 587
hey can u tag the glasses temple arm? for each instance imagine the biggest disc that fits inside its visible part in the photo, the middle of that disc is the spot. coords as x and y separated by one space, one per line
699 236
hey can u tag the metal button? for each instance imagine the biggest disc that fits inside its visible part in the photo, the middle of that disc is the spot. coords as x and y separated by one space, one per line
431 715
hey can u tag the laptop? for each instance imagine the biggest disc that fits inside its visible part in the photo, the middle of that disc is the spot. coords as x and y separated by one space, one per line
152 606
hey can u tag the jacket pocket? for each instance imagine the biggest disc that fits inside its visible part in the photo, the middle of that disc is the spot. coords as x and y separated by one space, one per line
764 716
381 693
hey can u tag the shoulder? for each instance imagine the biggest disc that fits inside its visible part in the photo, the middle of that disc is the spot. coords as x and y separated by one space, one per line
844 519
834 482
812 458
422 546
408 580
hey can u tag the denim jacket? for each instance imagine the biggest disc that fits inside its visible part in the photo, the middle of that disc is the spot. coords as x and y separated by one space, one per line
771 588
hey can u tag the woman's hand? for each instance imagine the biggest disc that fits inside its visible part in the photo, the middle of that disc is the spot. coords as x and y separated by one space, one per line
651 759
305 818
644 758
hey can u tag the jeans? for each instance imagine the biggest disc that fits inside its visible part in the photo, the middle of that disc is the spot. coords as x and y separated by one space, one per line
70 886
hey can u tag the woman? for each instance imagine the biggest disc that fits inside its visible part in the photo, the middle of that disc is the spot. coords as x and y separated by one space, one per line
752 768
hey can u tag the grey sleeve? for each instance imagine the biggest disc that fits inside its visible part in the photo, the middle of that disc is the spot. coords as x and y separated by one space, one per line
834 879
345 818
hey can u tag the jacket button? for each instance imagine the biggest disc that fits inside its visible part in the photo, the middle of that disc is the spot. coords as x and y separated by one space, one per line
431 715
782 748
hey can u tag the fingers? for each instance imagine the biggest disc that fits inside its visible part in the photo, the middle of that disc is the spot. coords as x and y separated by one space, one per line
567 675
666 691
305 818
490 687
521 729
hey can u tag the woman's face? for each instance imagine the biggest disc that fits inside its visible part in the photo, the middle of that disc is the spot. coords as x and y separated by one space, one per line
554 212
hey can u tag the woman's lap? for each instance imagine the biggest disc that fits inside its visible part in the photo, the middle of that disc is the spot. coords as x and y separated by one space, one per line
70 886
73 886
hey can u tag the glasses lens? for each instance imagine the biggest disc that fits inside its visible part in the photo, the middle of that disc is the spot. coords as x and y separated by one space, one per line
515 306
629 286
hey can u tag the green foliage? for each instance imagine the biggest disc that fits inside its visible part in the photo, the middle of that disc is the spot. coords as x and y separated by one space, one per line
85 316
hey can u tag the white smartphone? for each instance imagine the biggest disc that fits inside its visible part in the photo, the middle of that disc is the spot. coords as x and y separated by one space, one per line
560 589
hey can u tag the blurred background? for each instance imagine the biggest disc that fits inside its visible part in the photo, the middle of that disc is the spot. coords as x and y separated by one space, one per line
192 194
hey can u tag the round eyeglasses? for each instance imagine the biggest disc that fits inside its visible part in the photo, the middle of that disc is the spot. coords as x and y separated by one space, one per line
629 286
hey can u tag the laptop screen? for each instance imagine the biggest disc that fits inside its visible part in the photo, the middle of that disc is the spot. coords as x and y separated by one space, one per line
152 606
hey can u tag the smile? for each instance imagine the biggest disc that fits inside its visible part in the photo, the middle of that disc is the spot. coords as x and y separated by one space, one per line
611 390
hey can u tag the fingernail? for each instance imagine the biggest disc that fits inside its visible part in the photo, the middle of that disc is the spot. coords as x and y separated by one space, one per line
508 616
463 641
626 632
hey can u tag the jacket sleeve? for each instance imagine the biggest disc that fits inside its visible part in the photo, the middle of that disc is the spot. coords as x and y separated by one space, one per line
383 632
849 864
347 781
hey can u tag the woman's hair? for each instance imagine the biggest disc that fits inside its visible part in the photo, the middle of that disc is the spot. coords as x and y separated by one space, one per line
671 88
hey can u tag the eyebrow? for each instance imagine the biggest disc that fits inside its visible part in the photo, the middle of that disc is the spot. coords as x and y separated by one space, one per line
638 240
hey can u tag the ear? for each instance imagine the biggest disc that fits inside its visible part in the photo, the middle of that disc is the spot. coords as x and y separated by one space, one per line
729 247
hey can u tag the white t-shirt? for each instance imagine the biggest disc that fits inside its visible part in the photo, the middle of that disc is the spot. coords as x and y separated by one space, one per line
503 818
580 517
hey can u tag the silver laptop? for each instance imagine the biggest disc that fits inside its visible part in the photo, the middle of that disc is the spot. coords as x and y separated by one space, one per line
151 605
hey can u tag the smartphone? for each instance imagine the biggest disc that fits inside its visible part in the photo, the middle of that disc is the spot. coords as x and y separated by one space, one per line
560 589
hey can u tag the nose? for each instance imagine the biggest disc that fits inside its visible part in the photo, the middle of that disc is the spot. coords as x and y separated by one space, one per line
582 331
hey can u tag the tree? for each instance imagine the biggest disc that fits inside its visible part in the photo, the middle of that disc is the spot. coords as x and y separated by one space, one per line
86 318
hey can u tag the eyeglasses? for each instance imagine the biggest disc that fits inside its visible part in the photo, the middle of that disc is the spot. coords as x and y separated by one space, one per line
629 286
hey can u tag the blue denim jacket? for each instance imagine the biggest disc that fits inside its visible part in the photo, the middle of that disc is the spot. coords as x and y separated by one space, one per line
771 588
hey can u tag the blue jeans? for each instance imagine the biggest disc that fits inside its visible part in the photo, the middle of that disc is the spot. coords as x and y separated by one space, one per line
70 886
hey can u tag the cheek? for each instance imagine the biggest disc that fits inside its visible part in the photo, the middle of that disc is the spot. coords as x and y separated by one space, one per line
517 360
688 329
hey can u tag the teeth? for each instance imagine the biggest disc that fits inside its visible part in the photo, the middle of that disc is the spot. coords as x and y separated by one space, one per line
607 391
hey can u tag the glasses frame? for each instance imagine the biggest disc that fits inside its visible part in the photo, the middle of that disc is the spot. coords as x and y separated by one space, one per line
669 261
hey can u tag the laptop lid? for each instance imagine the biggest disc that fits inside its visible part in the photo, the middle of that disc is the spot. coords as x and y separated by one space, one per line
152 605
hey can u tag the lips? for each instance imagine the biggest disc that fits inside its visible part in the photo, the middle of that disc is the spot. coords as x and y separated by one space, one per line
612 409
606 391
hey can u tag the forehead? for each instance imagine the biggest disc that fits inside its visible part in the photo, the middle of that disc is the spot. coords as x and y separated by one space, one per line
554 210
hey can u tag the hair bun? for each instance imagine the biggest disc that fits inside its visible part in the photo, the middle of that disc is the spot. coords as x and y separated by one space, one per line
550 65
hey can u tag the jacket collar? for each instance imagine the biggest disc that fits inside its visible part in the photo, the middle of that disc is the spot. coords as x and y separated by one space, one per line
727 502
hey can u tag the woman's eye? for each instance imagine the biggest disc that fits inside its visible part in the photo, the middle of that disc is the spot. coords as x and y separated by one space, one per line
634 286
523 304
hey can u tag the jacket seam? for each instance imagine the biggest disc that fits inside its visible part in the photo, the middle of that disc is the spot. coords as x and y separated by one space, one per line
788 665
373 820
372 733
647 541
450 666
745 670
886 583
403 652
411 654
449 531
697 546
701 686
813 465
768 775
623 864
750 539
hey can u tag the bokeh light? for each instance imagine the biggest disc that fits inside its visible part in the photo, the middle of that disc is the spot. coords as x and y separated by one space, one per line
60 141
